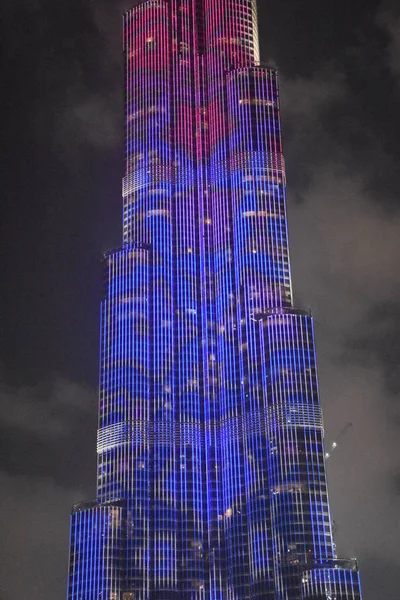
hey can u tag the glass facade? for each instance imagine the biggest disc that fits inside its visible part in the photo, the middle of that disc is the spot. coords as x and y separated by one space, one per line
211 479
96 561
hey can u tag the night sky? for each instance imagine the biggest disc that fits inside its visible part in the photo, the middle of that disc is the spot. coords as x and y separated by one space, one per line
62 163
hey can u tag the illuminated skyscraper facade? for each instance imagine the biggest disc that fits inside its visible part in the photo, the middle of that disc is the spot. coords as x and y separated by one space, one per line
211 471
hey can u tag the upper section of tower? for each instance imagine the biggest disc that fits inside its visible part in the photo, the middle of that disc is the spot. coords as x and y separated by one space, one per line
231 31
226 29
175 50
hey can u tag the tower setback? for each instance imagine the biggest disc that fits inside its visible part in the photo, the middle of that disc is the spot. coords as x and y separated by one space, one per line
211 477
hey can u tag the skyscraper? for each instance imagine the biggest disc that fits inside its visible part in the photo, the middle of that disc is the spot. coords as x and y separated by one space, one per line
211 478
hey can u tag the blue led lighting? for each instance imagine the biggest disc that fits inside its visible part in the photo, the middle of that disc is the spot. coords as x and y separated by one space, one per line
211 480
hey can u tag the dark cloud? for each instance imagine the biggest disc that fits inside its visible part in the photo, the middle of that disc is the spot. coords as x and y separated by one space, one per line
70 74
89 117
47 410
305 104
34 521
377 341
396 483
390 21
45 431
378 572
47 463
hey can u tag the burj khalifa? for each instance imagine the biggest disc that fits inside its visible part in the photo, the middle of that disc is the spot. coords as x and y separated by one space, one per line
211 474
